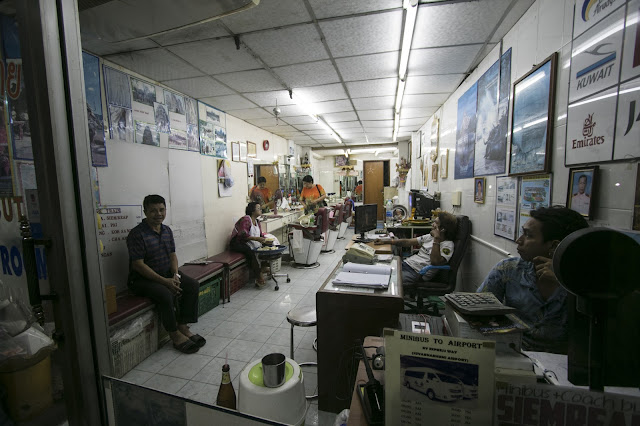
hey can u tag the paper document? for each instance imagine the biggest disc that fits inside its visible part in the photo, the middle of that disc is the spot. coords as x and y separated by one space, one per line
356 274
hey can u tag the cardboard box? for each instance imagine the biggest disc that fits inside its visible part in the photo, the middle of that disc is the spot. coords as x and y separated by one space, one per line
110 293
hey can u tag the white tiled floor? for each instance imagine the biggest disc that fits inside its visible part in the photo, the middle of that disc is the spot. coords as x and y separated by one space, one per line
252 325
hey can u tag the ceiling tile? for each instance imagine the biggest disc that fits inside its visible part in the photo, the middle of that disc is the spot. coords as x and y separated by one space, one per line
331 106
379 87
229 102
417 112
418 121
263 122
252 113
379 102
199 87
345 125
292 111
427 100
380 132
328 92
442 60
483 54
330 8
379 65
277 129
376 114
519 8
447 83
216 56
362 34
250 81
457 23
99 47
406 130
309 74
317 132
157 64
287 46
268 99
204 31
378 124
310 126
302 119
337 117
268 14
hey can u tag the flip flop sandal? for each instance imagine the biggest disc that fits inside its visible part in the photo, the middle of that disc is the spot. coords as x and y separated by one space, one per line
198 340
187 347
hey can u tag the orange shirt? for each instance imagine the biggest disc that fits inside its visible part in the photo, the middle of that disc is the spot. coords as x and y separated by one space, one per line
358 189
264 193
312 193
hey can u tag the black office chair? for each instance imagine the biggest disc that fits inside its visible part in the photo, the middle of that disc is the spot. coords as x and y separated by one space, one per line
445 280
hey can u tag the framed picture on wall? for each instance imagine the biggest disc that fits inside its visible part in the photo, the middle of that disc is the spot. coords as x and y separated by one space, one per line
581 190
506 207
532 122
243 151
235 151
421 137
434 172
479 184
341 160
252 151
444 164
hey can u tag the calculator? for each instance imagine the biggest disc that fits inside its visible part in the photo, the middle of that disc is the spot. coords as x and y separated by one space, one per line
477 304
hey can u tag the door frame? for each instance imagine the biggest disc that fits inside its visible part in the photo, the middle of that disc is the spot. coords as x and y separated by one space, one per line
52 57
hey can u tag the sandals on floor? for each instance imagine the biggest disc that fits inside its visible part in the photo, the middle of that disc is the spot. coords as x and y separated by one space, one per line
198 340
187 347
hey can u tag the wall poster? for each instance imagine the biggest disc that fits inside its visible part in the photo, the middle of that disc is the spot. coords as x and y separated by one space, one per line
466 133
631 47
506 207
535 192
213 134
488 140
628 129
95 119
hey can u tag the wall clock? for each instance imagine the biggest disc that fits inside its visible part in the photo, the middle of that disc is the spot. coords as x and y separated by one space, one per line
265 145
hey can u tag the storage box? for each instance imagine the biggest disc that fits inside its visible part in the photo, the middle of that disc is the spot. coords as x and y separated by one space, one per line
132 342
275 265
209 295
110 295
239 277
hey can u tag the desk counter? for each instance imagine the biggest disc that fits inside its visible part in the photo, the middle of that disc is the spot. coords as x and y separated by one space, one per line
344 315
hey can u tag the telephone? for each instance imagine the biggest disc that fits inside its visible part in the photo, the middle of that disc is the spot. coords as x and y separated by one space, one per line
360 253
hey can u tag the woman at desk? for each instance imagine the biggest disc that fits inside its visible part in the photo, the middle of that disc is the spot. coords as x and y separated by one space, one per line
312 196
247 236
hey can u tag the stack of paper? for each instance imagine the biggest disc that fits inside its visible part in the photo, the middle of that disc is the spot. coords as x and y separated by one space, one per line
359 275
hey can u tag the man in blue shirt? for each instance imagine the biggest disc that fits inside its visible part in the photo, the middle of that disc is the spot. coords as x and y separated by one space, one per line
528 283
153 272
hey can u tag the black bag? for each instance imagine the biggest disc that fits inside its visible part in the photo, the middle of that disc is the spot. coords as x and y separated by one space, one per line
324 202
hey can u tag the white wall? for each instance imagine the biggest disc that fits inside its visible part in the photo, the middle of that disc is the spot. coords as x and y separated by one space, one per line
545 28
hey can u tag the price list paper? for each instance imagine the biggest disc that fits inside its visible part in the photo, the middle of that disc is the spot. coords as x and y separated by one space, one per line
437 380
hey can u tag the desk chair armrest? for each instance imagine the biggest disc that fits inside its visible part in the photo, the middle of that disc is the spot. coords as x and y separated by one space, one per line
429 267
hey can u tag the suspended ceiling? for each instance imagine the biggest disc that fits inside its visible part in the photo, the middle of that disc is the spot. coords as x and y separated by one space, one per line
340 56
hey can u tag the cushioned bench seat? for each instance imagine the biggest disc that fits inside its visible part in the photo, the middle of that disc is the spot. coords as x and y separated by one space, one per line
128 305
201 273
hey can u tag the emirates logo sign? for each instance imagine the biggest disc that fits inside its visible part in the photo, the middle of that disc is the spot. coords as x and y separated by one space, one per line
589 124
588 139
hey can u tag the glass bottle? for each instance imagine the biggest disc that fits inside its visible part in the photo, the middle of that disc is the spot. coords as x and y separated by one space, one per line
226 395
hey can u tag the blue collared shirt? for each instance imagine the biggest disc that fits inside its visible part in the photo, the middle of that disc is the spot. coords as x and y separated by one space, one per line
513 281
152 247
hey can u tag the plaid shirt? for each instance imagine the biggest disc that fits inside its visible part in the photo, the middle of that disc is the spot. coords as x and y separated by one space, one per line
152 247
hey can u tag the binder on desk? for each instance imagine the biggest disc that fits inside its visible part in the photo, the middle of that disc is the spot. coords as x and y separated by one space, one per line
359 275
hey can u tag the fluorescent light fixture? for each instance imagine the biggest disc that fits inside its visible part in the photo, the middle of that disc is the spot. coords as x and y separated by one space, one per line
396 125
535 79
407 36
304 105
400 95
328 128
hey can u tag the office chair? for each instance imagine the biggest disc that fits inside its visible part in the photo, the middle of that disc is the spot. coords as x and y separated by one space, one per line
334 229
445 280
312 240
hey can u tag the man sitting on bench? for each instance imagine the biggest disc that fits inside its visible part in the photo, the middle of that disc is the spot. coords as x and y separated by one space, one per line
153 273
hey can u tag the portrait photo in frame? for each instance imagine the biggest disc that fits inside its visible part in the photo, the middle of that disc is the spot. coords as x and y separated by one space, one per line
444 164
243 152
252 151
341 160
532 119
235 151
479 189
434 172
581 190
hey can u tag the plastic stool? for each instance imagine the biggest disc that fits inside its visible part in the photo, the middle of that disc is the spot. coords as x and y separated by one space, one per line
303 316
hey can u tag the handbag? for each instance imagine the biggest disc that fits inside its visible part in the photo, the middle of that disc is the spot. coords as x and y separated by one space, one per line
324 202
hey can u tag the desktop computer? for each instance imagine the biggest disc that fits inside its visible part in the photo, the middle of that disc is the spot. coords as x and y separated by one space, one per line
366 219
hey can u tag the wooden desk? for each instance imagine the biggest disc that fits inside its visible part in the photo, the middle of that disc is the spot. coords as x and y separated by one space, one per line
356 415
344 315
409 231
380 249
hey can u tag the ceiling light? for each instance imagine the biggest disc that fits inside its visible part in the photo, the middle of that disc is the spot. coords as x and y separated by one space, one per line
396 125
399 95
328 128
407 36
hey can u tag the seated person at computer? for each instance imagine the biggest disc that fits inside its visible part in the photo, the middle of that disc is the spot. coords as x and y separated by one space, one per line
261 194
248 236
528 283
312 196
442 234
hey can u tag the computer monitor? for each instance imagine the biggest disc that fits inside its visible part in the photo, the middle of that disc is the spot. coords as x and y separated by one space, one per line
422 203
366 219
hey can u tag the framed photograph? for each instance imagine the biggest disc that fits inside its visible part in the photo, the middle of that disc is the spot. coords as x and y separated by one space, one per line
532 119
243 151
582 185
421 140
506 207
341 160
252 151
434 172
444 164
534 192
235 151
479 184
435 136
